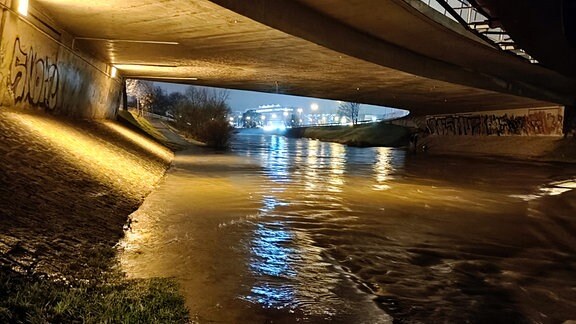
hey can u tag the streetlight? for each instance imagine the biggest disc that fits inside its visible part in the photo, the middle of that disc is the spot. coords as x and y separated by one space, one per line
314 115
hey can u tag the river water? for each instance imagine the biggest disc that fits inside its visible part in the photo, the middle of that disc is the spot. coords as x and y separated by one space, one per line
285 230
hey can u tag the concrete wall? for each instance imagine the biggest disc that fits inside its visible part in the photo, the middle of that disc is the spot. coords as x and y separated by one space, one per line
39 70
546 121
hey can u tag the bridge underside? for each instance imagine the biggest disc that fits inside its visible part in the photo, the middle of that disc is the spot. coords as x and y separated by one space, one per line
392 54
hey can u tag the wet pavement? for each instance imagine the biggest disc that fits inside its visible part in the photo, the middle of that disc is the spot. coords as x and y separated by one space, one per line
66 189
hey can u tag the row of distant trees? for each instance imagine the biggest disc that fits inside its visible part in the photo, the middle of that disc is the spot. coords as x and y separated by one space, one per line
199 112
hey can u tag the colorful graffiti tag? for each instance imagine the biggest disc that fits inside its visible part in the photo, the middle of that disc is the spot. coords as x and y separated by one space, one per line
34 79
536 122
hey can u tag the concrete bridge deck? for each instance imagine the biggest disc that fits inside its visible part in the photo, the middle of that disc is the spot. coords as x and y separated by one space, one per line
392 52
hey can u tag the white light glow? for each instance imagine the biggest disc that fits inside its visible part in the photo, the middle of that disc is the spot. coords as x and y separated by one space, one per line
113 72
23 7
269 128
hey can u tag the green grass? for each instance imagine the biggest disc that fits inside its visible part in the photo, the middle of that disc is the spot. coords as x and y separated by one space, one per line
113 300
375 134
95 292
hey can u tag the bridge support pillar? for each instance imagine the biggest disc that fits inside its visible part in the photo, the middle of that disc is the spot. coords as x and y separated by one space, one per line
569 127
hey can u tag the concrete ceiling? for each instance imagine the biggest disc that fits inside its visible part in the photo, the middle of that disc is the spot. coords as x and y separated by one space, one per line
386 52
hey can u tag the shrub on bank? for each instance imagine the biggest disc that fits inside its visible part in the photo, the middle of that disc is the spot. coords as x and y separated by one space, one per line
216 133
202 115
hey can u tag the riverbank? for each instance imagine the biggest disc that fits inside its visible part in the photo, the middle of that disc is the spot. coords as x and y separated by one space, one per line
534 148
66 190
364 135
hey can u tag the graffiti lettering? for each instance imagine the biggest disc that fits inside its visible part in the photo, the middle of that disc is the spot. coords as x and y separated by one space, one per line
34 79
536 122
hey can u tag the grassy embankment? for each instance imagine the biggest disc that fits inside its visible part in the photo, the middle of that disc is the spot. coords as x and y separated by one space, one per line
364 135
108 299
66 189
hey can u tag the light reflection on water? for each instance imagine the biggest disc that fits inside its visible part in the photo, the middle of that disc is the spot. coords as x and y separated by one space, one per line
383 168
299 230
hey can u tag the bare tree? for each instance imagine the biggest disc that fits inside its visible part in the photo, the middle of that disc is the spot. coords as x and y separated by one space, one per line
143 91
203 116
349 110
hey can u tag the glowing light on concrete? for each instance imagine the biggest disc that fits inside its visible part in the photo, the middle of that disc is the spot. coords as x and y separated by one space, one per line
23 7
108 164
151 146
137 41
147 68
159 71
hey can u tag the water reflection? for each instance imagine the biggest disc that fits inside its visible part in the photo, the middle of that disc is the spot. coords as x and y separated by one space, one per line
291 230
276 160
554 188
271 253
311 166
383 168
337 167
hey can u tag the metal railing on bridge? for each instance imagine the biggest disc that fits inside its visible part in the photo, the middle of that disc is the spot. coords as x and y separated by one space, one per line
479 23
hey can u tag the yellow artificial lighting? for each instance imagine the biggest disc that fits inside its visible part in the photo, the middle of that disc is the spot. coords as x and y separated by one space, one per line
146 67
113 72
108 164
156 78
23 7
138 41
141 141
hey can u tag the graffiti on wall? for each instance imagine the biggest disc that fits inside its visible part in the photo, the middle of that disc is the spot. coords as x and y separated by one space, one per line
536 122
34 78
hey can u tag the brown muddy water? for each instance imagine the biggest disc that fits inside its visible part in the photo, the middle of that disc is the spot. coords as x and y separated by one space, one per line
285 230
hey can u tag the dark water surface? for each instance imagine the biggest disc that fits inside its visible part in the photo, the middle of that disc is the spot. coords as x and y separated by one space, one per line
292 230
